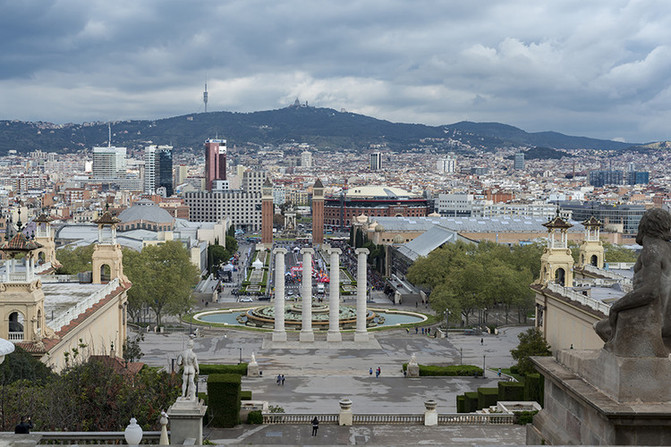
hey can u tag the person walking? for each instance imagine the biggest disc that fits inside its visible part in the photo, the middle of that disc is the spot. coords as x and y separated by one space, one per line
282 379
370 372
315 426
279 379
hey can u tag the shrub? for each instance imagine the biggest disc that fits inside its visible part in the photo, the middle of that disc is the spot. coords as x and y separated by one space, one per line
524 417
461 404
255 417
511 391
471 402
514 369
534 388
245 395
451 370
487 397
240 369
224 398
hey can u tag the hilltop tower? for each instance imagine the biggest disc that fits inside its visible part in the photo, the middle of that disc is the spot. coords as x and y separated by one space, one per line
317 213
557 261
267 212
591 250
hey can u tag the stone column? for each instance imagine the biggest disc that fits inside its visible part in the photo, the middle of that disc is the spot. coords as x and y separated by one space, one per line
306 295
430 415
334 297
279 333
361 284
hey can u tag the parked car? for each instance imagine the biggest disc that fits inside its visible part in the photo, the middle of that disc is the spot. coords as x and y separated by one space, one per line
246 299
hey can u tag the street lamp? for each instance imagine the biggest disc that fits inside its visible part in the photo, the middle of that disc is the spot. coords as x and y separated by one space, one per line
484 371
240 355
447 323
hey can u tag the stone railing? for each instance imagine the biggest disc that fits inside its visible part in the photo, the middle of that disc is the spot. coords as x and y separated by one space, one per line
91 437
392 419
15 336
580 298
606 273
79 308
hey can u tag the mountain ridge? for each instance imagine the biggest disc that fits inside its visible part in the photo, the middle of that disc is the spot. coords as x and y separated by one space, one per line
323 128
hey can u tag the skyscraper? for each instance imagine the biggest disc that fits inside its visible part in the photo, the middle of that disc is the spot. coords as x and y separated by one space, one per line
306 159
375 161
215 161
447 165
109 162
158 169
518 164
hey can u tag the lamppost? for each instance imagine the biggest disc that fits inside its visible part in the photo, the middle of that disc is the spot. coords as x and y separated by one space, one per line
447 323
240 355
484 371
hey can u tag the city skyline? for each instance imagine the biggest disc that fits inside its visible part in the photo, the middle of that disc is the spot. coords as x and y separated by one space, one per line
596 69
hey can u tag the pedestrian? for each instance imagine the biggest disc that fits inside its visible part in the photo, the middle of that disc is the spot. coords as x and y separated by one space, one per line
315 426
499 372
428 331
407 330
279 379
482 341
23 428
416 330
370 372
282 379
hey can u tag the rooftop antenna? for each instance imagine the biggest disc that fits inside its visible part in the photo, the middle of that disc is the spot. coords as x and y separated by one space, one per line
205 97
109 134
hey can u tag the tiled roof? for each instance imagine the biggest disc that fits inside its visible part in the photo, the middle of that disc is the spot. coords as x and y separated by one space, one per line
107 219
557 222
20 243
43 218
592 222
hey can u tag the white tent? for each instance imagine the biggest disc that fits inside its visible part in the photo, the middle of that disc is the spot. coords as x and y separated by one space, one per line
257 264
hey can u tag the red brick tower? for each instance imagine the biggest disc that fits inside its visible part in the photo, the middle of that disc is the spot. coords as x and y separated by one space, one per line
267 214
317 213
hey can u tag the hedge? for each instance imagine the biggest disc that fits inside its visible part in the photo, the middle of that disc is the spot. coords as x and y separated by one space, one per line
245 395
487 397
534 388
461 404
524 417
451 370
511 391
255 417
471 402
240 369
224 399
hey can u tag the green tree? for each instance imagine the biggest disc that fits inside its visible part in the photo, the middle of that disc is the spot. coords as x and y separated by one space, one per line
163 278
231 244
20 365
531 344
617 253
217 254
74 260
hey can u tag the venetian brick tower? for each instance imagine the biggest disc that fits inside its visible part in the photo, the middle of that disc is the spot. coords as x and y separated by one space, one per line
317 213
267 214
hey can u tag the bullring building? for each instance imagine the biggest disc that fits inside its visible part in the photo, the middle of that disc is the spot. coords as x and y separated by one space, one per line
374 201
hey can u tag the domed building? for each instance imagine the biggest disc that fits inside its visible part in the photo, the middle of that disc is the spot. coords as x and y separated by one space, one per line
372 201
146 215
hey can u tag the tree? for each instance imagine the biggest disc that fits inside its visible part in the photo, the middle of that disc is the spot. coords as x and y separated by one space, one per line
74 260
20 365
163 277
617 253
231 244
132 351
531 344
217 254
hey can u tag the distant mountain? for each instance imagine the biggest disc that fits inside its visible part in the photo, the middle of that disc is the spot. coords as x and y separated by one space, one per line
543 153
321 127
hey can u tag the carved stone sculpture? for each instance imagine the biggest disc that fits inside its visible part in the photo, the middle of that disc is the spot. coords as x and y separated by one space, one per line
190 362
638 321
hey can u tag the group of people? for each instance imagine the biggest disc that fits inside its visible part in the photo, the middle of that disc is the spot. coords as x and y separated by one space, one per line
280 380
378 371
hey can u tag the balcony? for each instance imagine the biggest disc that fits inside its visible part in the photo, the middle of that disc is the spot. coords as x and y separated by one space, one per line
15 336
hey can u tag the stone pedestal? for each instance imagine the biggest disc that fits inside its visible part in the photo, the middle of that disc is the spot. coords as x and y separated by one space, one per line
413 370
333 335
253 370
186 421
361 334
306 334
345 415
597 398
430 414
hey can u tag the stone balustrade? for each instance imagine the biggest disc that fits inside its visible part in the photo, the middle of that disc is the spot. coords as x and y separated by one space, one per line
580 298
388 419
91 437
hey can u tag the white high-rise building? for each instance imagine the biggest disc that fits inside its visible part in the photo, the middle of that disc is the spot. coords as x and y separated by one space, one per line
306 159
109 162
375 161
447 165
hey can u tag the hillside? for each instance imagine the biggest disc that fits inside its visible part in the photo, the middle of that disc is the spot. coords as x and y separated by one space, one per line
321 127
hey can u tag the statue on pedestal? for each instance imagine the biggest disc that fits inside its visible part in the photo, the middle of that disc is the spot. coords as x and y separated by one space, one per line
639 323
188 359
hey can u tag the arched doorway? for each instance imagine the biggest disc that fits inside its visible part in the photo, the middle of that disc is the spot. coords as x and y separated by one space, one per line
594 261
41 258
560 276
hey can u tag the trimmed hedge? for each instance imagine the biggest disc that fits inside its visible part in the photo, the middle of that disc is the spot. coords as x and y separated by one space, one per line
245 395
255 417
514 369
240 369
471 402
224 399
534 388
511 391
524 417
451 370
487 397
461 404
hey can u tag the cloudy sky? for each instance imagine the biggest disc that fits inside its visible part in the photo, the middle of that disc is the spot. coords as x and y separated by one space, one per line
599 68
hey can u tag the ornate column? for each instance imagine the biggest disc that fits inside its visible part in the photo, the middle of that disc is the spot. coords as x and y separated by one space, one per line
361 284
306 295
279 333
334 297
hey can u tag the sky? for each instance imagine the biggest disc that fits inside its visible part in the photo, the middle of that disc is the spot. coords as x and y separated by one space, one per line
597 68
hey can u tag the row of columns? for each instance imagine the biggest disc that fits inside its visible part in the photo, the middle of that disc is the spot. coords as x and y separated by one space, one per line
307 333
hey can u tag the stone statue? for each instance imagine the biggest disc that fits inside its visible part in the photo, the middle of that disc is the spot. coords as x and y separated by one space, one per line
638 320
190 362
413 360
